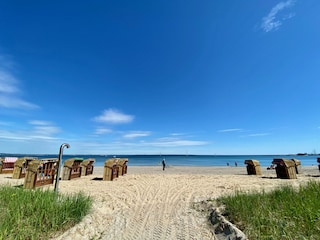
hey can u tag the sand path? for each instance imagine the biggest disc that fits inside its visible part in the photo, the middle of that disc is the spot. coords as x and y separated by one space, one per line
160 205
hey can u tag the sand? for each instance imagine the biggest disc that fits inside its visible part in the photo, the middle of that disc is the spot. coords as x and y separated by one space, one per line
148 203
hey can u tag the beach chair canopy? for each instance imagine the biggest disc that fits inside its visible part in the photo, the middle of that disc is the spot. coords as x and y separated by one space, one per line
34 165
24 160
10 159
296 161
283 162
20 162
122 161
87 162
111 162
69 162
252 162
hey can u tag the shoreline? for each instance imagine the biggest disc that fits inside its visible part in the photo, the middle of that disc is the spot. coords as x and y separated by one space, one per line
220 170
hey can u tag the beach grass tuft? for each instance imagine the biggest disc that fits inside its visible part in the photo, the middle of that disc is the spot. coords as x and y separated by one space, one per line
39 214
284 213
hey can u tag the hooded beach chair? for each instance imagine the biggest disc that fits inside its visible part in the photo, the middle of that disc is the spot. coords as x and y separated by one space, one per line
7 164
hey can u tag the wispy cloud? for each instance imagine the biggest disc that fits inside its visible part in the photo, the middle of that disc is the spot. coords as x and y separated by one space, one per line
258 134
38 122
39 130
177 134
15 102
5 123
9 89
175 142
44 128
141 147
273 21
135 134
231 130
102 130
113 116
7 83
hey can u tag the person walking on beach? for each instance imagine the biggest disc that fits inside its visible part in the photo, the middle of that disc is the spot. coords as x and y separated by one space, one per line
163 164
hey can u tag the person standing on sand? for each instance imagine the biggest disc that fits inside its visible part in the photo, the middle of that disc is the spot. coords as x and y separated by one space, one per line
163 164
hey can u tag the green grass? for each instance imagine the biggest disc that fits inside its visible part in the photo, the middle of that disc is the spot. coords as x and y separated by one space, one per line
284 213
38 214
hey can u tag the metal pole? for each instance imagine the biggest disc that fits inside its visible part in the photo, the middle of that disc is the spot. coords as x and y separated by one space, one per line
56 189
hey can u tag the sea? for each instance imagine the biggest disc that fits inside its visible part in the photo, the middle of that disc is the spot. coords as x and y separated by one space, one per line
184 160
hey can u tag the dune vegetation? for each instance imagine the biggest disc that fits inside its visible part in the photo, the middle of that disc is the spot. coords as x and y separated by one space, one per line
39 214
284 213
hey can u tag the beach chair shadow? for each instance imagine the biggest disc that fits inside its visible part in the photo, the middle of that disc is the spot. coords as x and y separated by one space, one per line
97 179
241 174
269 177
309 175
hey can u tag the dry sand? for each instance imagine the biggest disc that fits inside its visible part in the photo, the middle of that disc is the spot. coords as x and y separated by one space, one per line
149 203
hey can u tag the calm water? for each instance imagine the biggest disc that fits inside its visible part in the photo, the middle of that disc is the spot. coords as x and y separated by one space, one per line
189 160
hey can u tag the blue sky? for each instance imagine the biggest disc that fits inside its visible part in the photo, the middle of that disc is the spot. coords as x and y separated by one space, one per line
169 77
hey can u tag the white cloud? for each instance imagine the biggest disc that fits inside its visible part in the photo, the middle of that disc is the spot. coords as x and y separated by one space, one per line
5 123
231 130
178 134
15 102
14 136
165 144
272 21
114 116
10 91
101 130
35 136
46 130
258 134
38 122
7 83
43 128
135 134
180 143
175 142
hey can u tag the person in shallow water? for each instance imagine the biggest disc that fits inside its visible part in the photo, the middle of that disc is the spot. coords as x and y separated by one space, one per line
163 164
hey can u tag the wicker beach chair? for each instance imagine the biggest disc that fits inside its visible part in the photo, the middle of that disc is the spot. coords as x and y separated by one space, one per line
7 164
111 169
72 168
285 168
40 172
20 166
122 162
87 166
253 167
297 164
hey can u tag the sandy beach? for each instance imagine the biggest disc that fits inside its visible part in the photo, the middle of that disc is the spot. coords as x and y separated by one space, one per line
148 203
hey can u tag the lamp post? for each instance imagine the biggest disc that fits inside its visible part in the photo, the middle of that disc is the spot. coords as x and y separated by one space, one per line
59 161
